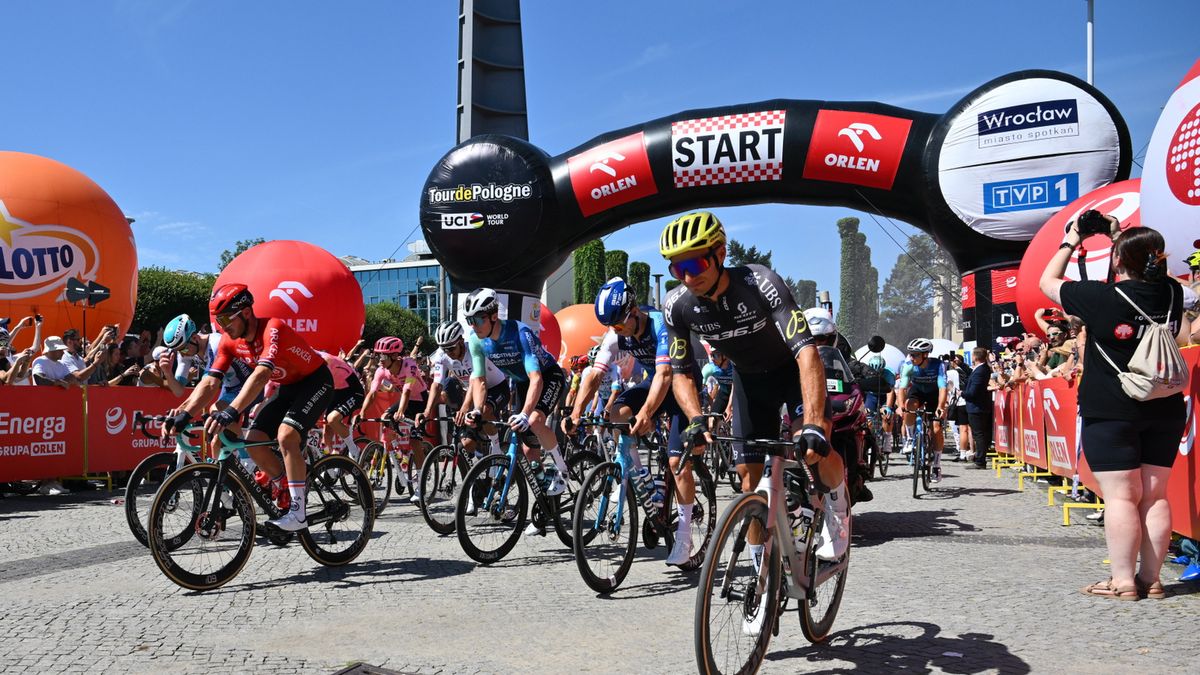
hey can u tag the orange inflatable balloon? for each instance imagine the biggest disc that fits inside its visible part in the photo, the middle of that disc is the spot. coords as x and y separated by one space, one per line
580 330
56 224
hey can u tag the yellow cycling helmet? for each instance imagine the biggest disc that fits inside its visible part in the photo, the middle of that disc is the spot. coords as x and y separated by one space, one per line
1193 260
698 231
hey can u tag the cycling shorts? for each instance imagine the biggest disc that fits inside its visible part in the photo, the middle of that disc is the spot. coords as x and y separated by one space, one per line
635 398
554 387
349 400
298 405
927 399
759 399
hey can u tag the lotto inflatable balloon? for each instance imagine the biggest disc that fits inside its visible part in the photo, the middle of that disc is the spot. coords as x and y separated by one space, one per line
1120 200
550 334
1171 177
579 329
57 224
305 286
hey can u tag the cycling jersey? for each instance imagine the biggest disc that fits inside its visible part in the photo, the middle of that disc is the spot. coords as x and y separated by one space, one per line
517 352
722 376
343 373
756 323
927 378
232 380
274 345
409 375
650 349
443 368
610 378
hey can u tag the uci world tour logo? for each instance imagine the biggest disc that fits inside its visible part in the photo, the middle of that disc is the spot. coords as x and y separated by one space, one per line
35 259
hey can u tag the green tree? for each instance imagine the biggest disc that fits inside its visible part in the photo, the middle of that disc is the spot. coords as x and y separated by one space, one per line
906 309
163 294
227 256
739 255
616 264
388 318
858 310
669 285
804 291
639 279
589 271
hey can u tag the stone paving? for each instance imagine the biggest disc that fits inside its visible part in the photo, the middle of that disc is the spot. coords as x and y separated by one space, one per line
975 578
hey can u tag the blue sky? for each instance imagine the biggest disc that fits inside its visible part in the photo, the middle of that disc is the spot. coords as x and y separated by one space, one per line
215 121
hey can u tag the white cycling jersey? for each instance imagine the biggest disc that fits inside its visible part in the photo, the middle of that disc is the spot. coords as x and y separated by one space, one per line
442 367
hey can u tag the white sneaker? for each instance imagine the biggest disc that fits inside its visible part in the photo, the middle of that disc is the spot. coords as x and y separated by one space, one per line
415 498
290 522
52 488
834 538
752 625
681 552
532 530
556 485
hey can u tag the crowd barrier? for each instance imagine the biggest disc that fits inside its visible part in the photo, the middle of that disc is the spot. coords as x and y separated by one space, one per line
1036 425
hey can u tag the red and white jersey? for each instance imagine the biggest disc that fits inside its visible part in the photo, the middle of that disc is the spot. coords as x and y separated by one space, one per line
274 345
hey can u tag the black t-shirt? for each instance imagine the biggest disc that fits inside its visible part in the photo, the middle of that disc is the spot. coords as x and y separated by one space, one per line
1117 327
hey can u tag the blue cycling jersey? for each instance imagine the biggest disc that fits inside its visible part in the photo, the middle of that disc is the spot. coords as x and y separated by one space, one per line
650 349
517 352
928 377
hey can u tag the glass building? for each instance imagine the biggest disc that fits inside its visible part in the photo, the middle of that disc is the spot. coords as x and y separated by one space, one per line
416 283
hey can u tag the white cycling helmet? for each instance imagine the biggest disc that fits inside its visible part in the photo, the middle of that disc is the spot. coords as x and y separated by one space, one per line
479 301
448 333
920 346
820 321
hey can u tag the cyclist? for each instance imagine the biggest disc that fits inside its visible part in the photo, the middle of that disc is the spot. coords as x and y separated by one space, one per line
578 365
451 372
923 379
877 382
346 401
540 383
277 354
720 370
749 314
641 332
601 399
397 372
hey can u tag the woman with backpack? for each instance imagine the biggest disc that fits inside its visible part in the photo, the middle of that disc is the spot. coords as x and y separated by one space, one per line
1133 417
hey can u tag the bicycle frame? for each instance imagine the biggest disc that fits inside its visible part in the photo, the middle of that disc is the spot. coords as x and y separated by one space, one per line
516 458
624 460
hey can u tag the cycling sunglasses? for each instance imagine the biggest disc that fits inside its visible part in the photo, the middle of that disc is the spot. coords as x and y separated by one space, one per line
477 320
226 320
691 266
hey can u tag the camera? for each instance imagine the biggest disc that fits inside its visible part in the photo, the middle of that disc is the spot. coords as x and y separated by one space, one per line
1092 222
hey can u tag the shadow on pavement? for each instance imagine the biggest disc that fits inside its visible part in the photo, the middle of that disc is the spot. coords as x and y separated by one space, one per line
360 574
878 527
677 582
913 647
951 492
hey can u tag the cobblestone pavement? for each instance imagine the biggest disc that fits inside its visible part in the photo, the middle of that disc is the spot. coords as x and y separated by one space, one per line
973 578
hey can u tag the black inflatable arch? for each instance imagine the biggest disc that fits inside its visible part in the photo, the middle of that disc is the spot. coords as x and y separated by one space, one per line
498 211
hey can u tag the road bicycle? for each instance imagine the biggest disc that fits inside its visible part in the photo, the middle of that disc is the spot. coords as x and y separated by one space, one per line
202 521
605 522
492 506
596 440
443 473
922 455
149 475
880 453
718 455
389 467
740 599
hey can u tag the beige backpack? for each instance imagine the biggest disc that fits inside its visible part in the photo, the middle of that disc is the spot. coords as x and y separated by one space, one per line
1157 368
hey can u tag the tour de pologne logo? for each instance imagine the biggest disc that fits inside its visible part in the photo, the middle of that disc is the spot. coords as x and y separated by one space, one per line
35 259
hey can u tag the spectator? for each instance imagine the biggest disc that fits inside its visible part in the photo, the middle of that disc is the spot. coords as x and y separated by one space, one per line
1130 445
14 369
958 412
978 396
109 369
48 369
131 362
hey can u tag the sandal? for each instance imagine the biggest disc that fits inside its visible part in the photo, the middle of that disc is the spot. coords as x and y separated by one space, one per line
1154 591
1106 589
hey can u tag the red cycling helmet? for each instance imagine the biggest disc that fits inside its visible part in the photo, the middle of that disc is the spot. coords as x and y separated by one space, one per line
389 345
230 298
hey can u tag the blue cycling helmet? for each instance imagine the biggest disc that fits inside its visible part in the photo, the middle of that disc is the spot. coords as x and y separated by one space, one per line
178 331
875 361
614 301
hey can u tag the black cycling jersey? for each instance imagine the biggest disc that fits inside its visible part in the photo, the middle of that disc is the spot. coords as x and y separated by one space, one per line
756 322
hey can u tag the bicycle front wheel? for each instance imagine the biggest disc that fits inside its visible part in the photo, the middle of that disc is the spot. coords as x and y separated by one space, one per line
604 542
143 484
489 521
201 544
577 469
825 581
736 607
441 481
918 463
340 511
927 465
374 462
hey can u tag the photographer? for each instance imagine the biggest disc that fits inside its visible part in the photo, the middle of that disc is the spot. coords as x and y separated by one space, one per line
1130 444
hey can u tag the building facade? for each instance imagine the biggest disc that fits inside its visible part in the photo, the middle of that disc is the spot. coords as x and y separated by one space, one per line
417 283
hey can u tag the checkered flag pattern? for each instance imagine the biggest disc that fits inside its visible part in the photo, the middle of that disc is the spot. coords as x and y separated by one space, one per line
724 174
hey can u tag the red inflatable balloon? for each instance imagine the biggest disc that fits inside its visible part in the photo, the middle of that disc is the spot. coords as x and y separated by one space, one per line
550 334
1171 178
1120 200
305 286
57 224
579 329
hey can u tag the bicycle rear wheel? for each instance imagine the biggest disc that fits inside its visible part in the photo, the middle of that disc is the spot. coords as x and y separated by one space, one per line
441 480
144 482
820 608
927 465
884 454
704 515
487 522
201 544
735 615
604 545
577 469
340 511
374 462
870 455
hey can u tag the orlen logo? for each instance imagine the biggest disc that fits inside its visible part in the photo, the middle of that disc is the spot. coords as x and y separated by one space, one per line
462 221
1183 159
37 258
284 292
114 421
856 147
611 174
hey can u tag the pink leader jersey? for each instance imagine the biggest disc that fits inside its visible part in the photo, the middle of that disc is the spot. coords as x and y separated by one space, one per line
409 374
343 373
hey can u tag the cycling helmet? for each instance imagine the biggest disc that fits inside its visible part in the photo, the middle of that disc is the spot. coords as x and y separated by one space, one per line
578 363
920 346
178 331
230 298
820 321
389 345
689 233
1193 260
875 361
448 333
592 354
479 301
614 301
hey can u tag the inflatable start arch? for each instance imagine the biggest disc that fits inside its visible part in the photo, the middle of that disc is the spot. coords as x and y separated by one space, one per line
981 178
